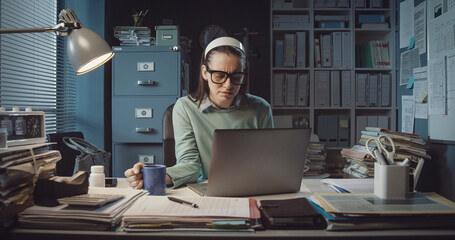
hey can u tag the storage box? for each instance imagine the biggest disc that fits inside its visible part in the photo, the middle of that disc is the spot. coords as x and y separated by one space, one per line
167 35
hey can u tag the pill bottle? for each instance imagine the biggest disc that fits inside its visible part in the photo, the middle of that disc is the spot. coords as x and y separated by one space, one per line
96 176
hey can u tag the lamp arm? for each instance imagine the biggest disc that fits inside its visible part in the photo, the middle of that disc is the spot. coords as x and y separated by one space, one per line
60 28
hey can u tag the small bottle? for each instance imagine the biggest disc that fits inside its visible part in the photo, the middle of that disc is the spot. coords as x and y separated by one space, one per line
96 176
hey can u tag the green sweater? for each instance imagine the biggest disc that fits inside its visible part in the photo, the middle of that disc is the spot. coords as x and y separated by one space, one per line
194 127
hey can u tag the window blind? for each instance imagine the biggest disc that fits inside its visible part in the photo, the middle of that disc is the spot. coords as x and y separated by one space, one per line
34 69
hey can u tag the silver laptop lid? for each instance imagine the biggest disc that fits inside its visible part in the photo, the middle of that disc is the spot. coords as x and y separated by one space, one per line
249 162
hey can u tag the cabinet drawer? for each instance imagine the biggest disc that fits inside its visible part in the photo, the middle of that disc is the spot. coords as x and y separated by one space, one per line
139 119
146 73
125 155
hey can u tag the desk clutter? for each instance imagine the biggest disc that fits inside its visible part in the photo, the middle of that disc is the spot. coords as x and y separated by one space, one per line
20 168
315 161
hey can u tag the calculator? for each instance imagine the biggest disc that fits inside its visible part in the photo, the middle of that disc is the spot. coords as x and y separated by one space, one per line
95 200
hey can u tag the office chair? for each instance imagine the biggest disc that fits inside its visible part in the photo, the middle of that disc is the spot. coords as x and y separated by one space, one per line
65 166
168 138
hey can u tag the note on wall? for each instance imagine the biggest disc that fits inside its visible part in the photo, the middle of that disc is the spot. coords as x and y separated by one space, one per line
420 92
409 60
406 22
420 27
407 114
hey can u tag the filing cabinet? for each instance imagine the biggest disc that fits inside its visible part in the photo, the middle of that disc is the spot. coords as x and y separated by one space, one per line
145 81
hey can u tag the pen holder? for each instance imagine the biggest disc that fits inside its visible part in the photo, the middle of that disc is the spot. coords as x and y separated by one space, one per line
391 181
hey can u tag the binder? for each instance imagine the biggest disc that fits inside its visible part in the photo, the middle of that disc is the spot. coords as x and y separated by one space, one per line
331 3
335 89
332 24
291 88
303 89
322 88
278 89
301 49
332 130
361 124
385 89
289 50
385 53
326 50
343 131
343 3
282 121
372 121
317 53
279 53
322 130
383 122
346 49
361 79
336 50
373 90
346 88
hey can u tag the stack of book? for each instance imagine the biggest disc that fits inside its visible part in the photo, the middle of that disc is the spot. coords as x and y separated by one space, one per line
20 166
361 164
315 162
159 213
375 54
133 36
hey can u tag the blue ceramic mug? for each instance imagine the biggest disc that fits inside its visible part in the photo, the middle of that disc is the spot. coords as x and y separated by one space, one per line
154 177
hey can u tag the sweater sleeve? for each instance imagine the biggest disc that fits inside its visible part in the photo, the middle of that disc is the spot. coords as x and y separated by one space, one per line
188 165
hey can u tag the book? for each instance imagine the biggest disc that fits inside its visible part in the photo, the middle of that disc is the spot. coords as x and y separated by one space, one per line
317 53
301 49
375 26
296 213
279 53
289 50
371 18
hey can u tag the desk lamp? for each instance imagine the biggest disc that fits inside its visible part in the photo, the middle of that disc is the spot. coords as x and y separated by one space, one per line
86 49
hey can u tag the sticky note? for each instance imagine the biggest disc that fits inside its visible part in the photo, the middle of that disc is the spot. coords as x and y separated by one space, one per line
423 98
410 82
412 43
343 124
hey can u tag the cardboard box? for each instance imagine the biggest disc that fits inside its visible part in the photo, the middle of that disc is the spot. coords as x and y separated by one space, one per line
167 35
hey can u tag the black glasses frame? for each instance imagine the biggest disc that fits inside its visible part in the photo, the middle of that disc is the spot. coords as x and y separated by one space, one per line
228 75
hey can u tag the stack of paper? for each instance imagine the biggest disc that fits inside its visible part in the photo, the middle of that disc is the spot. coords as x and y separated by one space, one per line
346 211
81 217
361 164
19 167
158 213
315 163
133 36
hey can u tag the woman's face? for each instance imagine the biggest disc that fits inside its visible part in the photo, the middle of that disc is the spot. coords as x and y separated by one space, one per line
222 95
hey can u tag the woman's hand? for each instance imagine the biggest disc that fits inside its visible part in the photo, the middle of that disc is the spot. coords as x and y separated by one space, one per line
134 176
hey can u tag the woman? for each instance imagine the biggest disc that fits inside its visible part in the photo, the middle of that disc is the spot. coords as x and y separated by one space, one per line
221 102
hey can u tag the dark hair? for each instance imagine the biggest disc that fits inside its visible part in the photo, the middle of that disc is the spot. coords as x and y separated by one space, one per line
203 86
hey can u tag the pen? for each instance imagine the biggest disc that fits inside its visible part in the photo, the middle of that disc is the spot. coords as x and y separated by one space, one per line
182 201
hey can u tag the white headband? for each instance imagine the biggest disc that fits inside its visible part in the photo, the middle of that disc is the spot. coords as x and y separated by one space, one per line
224 41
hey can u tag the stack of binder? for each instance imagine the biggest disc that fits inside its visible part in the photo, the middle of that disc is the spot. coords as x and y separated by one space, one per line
333 50
20 166
315 162
133 36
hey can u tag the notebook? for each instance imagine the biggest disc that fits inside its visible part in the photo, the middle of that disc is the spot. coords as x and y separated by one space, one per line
251 162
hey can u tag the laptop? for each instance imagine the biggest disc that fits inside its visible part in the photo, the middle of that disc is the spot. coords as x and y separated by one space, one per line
251 162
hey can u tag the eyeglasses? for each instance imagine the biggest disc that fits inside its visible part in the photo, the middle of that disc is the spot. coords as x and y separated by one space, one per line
220 77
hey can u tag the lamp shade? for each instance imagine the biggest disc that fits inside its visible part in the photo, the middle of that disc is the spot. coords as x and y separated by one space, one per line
87 50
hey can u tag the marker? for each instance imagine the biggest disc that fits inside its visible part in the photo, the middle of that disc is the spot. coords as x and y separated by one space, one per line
182 201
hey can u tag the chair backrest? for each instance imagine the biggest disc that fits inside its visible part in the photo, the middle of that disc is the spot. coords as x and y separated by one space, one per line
168 138
65 166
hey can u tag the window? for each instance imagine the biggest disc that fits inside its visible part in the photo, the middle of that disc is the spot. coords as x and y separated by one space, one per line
34 69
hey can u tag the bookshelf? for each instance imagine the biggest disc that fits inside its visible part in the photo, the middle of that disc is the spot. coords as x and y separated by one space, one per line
336 111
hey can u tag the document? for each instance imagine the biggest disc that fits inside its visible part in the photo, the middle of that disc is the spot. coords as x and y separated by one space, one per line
437 87
420 27
409 60
406 22
420 92
407 114
208 207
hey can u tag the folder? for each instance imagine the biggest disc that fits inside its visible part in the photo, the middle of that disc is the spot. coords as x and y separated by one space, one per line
291 88
301 49
361 124
343 131
335 89
385 89
336 50
278 89
346 88
383 122
279 53
373 90
289 50
322 131
303 89
332 130
322 89
326 50
361 88
346 49
372 121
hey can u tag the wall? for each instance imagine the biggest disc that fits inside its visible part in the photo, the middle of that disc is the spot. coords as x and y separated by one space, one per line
90 86
438 174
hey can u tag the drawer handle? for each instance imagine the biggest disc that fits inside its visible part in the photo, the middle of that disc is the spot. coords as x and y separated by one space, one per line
146 83
144 130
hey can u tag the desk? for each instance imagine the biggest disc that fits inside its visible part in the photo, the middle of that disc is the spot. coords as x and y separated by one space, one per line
308 186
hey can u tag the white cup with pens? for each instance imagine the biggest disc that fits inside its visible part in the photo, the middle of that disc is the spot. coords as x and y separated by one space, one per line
391 180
